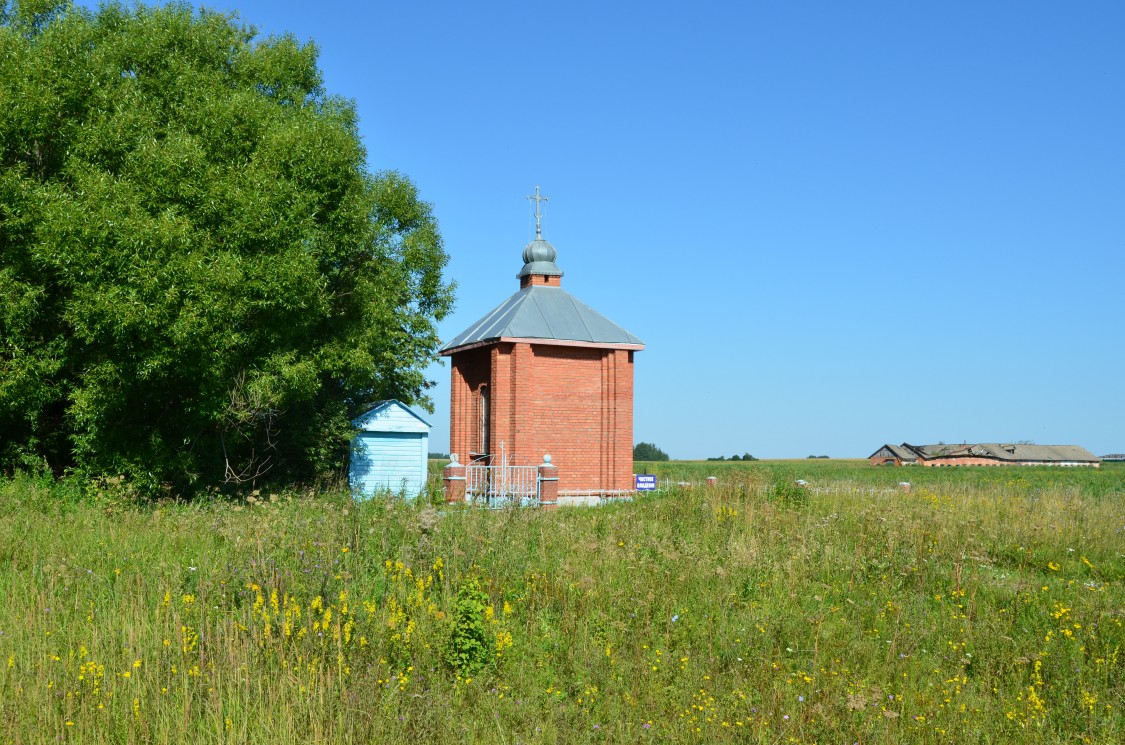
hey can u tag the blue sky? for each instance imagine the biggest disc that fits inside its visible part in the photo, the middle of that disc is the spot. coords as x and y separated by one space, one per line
834 224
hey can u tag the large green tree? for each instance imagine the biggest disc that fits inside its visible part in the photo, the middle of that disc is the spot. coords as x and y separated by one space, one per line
201 282
648 451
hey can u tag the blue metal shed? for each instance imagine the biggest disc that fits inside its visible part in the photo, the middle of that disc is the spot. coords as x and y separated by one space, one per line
390 452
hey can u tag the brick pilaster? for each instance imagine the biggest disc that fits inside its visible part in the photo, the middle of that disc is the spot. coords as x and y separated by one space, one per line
453 476
548 484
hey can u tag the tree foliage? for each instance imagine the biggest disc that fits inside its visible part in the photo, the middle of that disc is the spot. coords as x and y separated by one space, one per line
200 281
648 451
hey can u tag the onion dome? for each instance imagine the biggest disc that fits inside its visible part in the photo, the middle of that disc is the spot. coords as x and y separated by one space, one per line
539 258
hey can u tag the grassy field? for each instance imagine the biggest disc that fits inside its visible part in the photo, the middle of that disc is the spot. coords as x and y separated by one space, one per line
986 605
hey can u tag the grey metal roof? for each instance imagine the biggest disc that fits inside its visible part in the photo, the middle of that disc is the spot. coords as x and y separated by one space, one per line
548 313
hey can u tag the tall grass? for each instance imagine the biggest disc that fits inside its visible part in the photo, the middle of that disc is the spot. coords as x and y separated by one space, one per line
986 605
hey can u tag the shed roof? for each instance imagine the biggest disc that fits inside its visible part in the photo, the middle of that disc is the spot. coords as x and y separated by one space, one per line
547 313
391 415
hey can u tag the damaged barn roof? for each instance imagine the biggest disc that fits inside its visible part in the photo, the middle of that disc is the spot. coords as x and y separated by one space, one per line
1007 452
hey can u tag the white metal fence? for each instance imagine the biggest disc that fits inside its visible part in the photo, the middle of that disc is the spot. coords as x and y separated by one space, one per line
502 486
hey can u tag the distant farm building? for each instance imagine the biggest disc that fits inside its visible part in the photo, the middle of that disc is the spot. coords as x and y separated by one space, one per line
545 373
984 454
390 453
899 455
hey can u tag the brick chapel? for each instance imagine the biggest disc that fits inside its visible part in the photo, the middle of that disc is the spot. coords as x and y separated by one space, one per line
545 373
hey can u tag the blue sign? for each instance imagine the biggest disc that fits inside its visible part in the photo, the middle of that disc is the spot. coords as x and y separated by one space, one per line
645 482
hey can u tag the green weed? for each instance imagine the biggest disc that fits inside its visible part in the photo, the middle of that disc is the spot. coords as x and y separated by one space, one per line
985 605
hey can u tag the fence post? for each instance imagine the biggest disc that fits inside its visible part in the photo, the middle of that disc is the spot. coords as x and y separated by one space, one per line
454 477
548 484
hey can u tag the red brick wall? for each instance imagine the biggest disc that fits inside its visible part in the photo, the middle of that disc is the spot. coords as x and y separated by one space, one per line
881 461
961 462
971 461
575 403
550 280
564 414
620 467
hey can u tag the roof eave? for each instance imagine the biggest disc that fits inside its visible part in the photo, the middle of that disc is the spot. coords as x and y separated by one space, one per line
632 347
386 402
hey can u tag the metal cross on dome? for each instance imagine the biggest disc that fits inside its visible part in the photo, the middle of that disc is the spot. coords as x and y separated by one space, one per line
538 214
